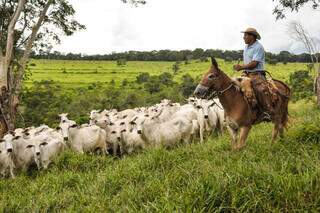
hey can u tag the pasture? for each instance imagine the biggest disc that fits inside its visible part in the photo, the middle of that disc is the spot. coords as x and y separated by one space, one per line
264 177
72 74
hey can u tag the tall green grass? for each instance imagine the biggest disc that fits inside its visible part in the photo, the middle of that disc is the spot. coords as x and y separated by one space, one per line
263 177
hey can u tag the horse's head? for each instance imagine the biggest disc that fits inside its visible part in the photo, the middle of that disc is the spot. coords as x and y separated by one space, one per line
212 81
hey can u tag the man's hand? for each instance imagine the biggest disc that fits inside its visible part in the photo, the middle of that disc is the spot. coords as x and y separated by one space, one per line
237 67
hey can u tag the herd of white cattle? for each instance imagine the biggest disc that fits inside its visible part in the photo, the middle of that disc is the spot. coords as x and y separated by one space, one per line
112 132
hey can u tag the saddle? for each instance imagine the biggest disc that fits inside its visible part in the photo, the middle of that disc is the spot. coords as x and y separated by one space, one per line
262 96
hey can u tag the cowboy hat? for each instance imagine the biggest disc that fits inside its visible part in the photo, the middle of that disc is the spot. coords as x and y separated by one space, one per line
252 31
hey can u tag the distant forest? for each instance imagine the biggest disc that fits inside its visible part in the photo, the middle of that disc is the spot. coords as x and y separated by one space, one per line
171 55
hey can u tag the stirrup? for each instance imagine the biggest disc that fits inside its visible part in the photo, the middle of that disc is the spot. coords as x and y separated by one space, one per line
266 116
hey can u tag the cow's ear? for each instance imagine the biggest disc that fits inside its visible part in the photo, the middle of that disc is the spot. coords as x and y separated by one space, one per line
29 146
16 137
74 126
43 144
134 118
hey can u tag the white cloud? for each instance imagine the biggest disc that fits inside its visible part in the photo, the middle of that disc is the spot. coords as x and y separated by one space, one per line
180 24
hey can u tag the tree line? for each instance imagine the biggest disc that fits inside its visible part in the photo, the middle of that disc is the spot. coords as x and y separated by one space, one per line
173 55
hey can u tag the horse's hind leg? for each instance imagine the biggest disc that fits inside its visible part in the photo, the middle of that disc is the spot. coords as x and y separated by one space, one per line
281 130
275 132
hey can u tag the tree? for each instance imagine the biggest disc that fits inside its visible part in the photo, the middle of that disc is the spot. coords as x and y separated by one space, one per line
311 45
26 26
142 78
188 85
175 68
292 5
121 62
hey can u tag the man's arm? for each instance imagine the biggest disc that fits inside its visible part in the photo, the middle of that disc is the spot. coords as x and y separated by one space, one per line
250 66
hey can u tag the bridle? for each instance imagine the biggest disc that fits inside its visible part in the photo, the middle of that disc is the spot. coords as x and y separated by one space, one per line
215 94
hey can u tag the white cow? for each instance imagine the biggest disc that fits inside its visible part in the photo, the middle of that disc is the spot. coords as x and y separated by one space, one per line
99 118
50 147
163 133
114 139
6 162
24 152
83 139
131 140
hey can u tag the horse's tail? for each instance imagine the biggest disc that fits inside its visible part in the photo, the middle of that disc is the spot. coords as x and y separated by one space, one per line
285 93
285 116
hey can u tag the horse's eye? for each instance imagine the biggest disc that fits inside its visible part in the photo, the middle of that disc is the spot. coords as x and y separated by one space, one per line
211 76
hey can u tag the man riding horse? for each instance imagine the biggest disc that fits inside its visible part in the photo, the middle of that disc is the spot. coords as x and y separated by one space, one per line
253 68
271 97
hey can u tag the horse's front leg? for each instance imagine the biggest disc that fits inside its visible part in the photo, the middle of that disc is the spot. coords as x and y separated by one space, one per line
244 131
234 134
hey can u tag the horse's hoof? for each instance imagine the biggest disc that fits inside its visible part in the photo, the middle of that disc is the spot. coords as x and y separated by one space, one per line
240 147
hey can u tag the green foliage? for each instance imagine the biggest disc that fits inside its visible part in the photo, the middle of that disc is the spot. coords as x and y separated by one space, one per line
175 68
153 85
166 79
42 102
308 132
292 5
302 84
121 62
188 85
272 61
143 77
112 82
203 59
228 59
125 82
310 67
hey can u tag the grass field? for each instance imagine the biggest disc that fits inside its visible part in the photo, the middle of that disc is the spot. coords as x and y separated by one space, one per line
81 73
263 177
206 177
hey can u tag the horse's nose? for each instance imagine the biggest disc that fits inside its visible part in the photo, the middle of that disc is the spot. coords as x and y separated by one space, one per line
9 150
139 132
206 116
118 138
65 138
37 153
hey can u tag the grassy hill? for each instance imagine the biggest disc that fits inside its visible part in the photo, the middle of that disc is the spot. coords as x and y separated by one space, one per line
81 73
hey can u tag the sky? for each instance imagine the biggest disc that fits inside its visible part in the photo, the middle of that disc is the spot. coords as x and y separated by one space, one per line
113 26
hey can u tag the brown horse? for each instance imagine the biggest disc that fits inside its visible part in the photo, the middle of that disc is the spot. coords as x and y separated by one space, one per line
239 115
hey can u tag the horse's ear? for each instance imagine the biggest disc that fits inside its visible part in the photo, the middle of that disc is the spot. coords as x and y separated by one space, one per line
214 62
